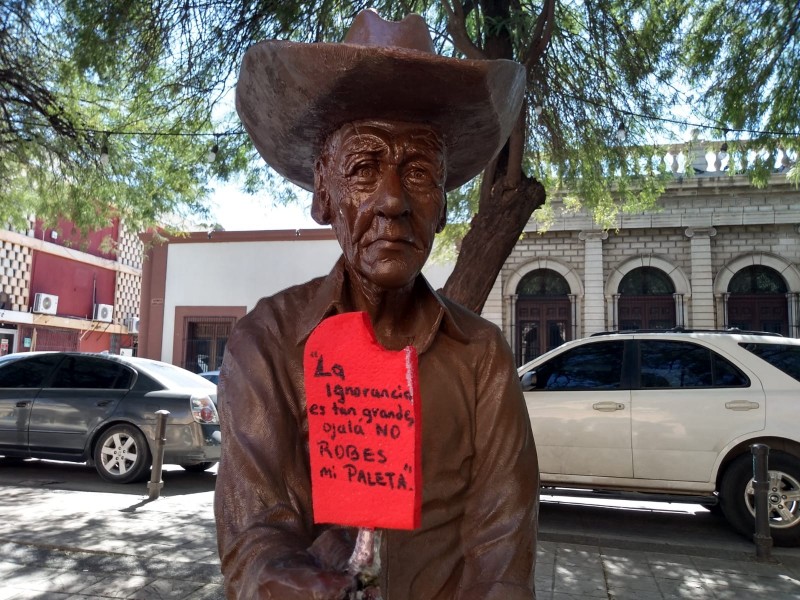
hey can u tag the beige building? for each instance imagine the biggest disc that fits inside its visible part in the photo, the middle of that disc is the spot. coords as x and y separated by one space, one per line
717 253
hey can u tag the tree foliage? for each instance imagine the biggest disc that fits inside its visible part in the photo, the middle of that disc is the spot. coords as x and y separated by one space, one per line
151 80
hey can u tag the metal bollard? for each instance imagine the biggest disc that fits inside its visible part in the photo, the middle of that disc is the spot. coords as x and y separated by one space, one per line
155 485
762 537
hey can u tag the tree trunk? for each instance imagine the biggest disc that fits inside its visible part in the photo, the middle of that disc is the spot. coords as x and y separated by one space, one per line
491 238
508 195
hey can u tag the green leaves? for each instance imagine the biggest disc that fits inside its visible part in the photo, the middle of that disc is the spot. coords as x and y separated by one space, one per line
152 80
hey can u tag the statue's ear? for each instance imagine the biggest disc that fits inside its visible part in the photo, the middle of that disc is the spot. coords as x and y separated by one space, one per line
442 217
321 202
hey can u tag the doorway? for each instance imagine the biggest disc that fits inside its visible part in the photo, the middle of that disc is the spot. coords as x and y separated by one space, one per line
543 314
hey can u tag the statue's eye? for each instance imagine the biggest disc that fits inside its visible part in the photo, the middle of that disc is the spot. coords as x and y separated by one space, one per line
366 171
419 175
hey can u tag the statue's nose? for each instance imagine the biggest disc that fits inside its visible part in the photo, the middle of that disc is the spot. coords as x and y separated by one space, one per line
392 198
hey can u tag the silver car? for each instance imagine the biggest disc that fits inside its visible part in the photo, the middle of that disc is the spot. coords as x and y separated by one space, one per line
100 409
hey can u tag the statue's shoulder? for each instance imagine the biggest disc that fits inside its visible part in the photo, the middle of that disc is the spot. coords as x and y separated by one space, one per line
472 325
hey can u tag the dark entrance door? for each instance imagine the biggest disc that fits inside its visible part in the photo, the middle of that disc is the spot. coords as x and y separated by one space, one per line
757 300
206 338
646 300
646 312
759 312
543 314
542 325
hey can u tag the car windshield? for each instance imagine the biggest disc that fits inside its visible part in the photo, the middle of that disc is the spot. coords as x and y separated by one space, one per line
785 357
171 376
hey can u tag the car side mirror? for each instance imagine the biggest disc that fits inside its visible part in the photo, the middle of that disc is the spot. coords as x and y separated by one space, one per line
528 381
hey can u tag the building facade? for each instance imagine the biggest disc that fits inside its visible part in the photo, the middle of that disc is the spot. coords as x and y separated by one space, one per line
716 253
60 290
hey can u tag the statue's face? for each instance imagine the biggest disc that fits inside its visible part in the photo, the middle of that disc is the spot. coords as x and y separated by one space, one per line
382 184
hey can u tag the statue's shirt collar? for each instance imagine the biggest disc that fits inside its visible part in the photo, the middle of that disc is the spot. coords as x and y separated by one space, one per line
329 299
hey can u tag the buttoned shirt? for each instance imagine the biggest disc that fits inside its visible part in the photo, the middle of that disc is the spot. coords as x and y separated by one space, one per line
477 539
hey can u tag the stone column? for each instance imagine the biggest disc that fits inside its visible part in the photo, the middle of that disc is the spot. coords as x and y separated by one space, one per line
679 313
573 316
702 313
793 299
510 309
594 319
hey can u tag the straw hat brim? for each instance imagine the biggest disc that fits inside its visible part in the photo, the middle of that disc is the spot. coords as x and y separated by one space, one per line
291 96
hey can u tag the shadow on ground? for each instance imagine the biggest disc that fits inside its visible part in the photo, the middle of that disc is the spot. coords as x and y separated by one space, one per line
57 475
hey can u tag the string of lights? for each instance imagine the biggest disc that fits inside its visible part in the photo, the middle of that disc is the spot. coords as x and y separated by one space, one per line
210 157
620 133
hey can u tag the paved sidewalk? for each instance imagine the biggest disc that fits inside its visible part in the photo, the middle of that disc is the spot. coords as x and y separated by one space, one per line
57 544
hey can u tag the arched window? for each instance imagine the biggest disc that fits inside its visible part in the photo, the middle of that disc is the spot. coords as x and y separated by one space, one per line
757 279
646 281
646 300
757 300
543 282
542 313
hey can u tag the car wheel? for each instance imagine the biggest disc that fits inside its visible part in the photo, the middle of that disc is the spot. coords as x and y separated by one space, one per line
122 455
198 467
737 498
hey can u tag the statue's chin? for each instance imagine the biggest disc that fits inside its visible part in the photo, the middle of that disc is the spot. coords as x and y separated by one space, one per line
390 274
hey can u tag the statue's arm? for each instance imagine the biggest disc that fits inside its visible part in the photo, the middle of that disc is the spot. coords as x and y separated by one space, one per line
268 544
499 530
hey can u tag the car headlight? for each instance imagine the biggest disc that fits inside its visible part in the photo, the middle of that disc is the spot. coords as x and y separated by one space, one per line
203 410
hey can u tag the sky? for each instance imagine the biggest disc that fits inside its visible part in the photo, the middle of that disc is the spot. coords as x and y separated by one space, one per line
237 211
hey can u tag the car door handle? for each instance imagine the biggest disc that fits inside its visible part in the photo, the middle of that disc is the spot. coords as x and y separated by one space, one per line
741 405
22 404
608 406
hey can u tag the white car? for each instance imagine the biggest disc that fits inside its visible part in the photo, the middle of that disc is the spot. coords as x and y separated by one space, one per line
673 414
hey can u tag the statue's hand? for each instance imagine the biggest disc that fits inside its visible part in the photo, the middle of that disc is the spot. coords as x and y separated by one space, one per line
303 582
333 548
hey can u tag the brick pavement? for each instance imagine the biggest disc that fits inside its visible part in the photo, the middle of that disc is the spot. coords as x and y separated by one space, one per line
59 544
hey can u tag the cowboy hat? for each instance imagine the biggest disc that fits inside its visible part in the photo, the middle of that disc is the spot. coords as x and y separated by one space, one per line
291 96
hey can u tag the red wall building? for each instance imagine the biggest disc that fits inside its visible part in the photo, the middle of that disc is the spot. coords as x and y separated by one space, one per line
60 290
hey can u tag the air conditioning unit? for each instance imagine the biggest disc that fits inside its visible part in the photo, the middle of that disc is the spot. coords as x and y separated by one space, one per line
45 303
103 312
133 324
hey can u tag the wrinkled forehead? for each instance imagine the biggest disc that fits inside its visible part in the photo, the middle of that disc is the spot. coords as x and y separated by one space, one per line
379 136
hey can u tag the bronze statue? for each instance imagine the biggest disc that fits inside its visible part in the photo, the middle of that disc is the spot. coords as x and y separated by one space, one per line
380 128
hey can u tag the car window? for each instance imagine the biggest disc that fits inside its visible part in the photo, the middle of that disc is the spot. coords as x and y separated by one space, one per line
171 376
675 364
27 372
91 372
590 366
781 356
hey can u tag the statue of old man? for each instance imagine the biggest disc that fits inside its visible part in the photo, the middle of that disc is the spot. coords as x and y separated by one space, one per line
380 127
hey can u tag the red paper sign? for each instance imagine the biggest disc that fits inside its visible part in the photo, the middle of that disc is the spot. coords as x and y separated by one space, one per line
364 432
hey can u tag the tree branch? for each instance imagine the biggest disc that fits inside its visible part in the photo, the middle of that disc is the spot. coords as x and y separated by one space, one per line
542 33
516 148
457 28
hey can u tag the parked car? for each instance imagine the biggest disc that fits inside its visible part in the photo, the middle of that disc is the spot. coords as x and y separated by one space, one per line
100 408
675 414
212 376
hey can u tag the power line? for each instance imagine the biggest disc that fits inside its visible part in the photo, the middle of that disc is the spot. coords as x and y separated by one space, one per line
723 129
